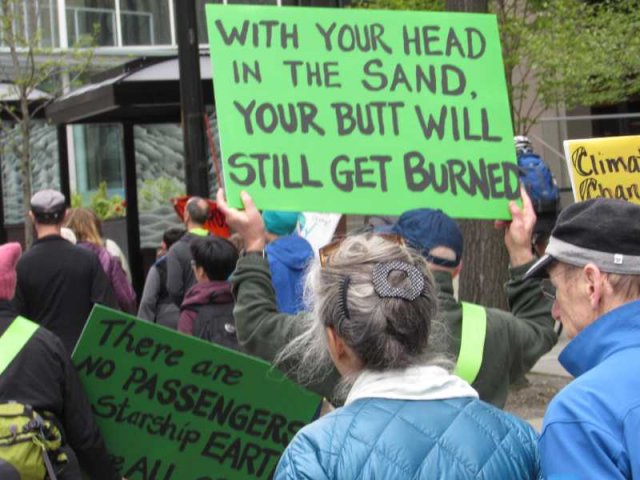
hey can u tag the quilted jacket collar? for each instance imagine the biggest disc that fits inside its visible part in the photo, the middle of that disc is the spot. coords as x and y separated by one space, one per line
426 382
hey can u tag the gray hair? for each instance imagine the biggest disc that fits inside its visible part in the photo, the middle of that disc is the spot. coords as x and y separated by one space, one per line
385 333
198 210
626 287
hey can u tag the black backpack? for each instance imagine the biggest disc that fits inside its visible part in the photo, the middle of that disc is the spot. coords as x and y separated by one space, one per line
214 323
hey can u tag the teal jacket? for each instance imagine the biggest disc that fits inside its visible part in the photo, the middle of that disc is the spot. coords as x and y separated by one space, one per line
514 340
380 438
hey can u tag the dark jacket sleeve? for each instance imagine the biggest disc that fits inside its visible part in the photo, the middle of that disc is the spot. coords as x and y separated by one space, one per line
262 330
150 294
531 326
18 302
175 280
80 428
101 291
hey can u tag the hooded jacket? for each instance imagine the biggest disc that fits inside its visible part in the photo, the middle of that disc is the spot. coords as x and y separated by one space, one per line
418 423
207 313
288 258
590 429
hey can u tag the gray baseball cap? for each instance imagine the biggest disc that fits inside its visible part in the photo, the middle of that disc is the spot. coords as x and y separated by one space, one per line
605 232
48 206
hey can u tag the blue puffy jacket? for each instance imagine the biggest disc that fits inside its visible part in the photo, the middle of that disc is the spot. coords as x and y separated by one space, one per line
380 438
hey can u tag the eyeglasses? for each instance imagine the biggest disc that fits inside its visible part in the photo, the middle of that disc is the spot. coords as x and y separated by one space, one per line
547 287
328 250
548 290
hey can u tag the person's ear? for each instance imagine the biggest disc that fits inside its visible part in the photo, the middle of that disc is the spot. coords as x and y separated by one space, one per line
345 360
595 284
335 344
457 270
198 272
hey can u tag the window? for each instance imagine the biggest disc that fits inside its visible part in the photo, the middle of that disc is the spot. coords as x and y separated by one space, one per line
145 22
140 22
92 17
99 158
35 17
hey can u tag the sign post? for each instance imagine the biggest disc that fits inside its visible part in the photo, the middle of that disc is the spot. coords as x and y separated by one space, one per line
361 111
173 407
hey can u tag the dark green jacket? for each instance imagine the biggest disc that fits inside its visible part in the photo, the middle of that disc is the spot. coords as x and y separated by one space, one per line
514 341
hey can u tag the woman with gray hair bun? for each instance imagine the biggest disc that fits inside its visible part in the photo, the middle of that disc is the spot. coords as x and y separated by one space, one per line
373 314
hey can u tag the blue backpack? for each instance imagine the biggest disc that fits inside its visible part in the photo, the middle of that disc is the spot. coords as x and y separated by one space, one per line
539 182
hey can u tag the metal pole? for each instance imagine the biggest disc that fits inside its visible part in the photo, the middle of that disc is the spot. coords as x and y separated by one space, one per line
192 105
133 217
63 162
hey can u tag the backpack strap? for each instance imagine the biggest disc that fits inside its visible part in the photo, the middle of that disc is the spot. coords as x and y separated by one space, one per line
13 339
474 331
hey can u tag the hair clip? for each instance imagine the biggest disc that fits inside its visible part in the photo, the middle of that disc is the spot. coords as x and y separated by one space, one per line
342 300
385 290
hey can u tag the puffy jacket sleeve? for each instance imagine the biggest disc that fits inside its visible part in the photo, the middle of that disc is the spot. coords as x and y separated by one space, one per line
300 462
530 324
262 330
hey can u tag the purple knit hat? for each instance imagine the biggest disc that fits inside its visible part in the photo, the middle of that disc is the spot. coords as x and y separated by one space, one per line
9 255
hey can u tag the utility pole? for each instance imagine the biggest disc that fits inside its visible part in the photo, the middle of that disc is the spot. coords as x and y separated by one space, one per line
191 103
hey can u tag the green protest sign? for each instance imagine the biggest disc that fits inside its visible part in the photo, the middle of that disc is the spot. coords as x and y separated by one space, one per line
361 111
173 407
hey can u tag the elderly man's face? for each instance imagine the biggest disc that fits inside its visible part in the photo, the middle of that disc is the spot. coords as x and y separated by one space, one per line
572 305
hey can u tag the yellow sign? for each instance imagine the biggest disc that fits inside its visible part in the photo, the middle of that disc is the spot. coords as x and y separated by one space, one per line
604 168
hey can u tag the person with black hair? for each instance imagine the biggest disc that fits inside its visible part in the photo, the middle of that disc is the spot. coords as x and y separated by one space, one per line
179 274
58 283
207 309
156 305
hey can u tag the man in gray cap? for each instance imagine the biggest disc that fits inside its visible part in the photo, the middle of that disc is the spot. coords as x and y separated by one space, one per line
58 283
592 261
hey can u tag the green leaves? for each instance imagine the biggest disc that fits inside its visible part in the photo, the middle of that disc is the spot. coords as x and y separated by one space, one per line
559 51
569 52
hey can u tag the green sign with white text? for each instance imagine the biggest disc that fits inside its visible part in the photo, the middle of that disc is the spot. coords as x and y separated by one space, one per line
173 407
362 111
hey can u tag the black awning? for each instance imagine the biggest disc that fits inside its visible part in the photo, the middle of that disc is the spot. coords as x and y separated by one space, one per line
147 93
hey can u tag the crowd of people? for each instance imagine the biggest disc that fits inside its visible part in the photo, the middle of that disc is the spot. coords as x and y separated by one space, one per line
416 379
